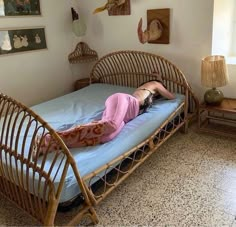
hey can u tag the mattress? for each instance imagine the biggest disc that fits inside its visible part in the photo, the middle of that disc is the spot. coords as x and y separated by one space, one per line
86 105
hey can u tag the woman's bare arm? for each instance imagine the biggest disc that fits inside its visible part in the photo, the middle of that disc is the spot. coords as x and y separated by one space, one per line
163 91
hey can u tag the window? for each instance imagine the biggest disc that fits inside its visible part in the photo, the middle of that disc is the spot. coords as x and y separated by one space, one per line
233 42
224 29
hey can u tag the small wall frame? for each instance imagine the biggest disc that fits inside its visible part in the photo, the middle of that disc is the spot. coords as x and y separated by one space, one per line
163 15
22 39
20 8
124 9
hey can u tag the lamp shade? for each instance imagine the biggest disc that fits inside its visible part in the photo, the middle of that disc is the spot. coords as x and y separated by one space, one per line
214 71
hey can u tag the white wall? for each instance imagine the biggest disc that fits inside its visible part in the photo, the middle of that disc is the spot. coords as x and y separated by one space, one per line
33 77
38 76
190 32
190 35
230 89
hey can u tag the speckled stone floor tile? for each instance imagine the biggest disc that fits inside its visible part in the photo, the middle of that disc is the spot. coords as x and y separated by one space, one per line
209 216
190 181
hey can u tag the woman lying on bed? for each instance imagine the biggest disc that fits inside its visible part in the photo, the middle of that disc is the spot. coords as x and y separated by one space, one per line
120 108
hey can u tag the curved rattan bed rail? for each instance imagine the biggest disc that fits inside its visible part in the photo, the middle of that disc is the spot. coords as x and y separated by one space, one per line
24 178
131 68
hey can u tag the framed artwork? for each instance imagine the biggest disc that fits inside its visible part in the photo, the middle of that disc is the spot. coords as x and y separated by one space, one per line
115 7
20 7
121 9
22 39
162 16
158 27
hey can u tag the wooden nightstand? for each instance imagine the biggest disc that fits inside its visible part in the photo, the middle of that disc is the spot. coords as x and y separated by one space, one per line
81 83
218 119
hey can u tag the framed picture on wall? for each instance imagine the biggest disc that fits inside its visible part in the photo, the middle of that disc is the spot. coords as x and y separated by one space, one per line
158 27
163 17
123 9
20 8
22 39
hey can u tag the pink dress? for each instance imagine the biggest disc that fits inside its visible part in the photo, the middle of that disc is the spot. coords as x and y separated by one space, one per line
120 108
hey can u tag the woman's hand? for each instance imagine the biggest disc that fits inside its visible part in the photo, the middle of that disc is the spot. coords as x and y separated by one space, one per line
163 91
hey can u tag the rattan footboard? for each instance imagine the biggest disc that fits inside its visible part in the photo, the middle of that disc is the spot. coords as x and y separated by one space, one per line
19 126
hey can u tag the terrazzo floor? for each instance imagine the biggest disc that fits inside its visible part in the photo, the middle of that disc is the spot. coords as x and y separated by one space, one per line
190 181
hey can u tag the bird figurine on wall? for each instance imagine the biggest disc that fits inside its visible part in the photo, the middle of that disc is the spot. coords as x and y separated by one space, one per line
110 4
153 33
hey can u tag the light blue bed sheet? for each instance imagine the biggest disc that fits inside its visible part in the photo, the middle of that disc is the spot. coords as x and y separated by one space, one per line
86 105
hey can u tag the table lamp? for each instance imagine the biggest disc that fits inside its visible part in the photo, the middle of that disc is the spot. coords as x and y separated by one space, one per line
214 74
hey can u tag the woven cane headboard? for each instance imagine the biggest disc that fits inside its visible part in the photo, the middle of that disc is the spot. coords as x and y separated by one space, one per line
131 68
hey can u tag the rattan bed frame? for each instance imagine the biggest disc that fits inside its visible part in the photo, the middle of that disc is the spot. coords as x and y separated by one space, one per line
126 68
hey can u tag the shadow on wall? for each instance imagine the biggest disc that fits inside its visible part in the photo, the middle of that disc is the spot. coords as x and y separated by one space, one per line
97 27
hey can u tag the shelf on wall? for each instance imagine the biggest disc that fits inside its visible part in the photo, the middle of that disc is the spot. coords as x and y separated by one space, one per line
82 53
